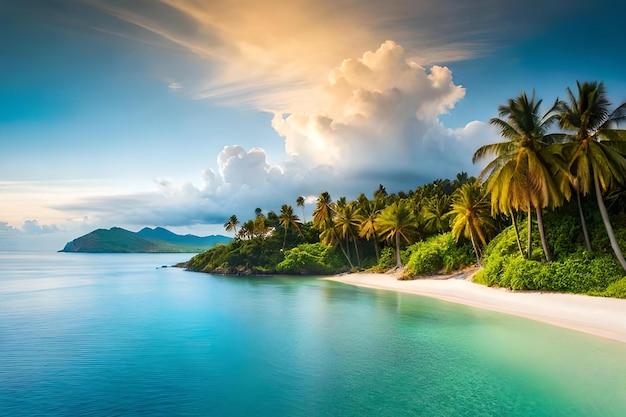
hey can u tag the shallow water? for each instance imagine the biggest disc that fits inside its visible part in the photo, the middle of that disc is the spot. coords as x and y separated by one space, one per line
104 334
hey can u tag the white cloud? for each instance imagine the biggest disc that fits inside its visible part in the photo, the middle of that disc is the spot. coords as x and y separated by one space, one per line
6 227
380 113
32 227
374 121
174 86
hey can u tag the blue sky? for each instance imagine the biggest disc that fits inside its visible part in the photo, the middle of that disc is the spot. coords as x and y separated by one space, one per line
179 113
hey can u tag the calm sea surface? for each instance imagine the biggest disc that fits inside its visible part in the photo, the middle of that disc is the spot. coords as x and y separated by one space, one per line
115 335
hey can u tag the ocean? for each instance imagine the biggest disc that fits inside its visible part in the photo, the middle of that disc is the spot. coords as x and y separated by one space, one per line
119 335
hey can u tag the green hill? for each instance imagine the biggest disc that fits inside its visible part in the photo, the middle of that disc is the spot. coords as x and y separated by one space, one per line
158 240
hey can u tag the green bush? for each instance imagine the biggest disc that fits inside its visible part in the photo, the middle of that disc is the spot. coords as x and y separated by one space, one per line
435 255
387 259
310 259
617 289
575 270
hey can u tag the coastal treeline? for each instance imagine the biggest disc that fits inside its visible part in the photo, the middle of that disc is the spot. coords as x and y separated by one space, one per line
548 211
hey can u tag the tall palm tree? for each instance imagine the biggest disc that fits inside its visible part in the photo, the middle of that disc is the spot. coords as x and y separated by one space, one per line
322 215
368 228
524 175
347 222
396 221
231 224
595 151
471 217
434 213
287 219
330 236
300 203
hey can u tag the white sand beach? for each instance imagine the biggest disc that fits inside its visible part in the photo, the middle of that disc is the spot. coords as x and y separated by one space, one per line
604 317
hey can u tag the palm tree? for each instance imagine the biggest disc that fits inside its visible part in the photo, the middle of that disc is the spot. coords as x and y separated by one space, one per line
595 151
231 224
330 237
395 221
247 230
471 216
322 214
380 193
524 175
434 213
323 219
368 227
287 219
347 222
300 203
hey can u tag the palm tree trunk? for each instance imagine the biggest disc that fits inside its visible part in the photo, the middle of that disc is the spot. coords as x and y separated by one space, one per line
476 251
542 234
376 248
356 249
398 258
583 223
519 242
607 222
529 240
284 240
345 254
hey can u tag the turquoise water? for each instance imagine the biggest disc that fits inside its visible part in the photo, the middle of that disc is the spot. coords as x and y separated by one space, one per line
107 335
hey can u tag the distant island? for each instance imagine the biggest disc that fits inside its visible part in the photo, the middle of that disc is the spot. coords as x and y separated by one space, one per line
147 240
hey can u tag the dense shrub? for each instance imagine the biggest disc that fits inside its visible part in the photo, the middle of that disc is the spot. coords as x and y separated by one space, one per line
435 255
617 289
574 269
310 259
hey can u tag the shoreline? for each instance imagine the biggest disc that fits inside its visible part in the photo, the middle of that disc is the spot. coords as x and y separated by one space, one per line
598 316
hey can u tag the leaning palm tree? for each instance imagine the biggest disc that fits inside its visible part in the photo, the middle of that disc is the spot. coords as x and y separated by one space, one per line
347 222
368 228
330 236
231 224
247 230
395 221
596 149
322 215
524 175
287 219
471 217
300 203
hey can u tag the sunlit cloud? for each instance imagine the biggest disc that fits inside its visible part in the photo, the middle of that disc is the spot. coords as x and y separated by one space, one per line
356 88
273 55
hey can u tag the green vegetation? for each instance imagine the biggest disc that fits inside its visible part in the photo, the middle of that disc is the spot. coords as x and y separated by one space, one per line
437 254
573 149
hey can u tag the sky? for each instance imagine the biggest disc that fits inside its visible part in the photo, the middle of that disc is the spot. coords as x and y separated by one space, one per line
180 113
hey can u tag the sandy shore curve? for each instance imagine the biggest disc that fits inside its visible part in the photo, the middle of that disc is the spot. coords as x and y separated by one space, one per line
599 316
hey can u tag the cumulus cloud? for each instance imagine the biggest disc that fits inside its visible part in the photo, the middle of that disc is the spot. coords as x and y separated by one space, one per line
6 227
32 227
354 108
375 120
380 112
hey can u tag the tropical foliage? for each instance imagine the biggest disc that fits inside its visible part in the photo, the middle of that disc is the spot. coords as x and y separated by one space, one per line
574 148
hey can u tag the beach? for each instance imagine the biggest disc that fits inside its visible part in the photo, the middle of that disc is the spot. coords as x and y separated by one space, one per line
599 316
